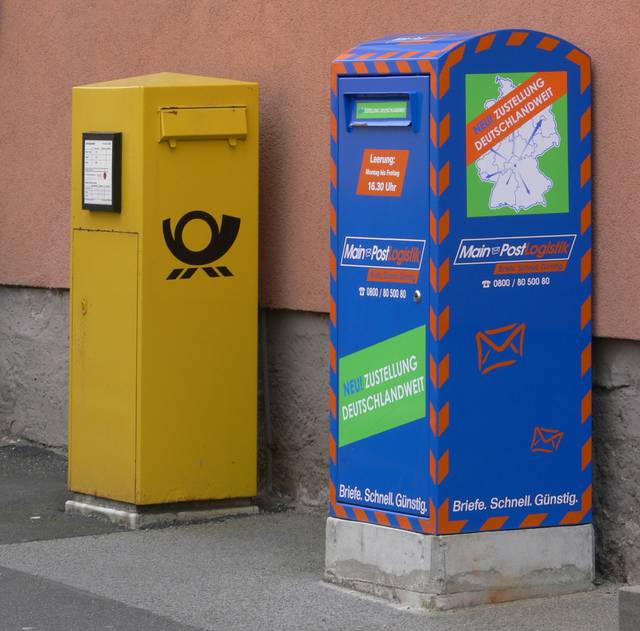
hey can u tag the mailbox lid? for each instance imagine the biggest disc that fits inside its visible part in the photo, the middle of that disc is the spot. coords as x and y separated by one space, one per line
203 123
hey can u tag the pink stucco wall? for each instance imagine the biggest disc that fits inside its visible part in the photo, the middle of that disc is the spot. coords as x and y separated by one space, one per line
47 46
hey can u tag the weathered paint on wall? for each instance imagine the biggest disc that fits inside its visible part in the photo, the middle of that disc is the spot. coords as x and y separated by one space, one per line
47 46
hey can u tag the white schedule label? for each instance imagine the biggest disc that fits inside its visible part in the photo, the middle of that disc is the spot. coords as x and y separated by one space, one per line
98 172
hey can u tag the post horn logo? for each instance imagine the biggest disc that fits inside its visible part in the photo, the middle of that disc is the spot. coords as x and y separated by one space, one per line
222 238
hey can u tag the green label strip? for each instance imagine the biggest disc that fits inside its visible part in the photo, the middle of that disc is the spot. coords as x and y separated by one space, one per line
382 386
368 110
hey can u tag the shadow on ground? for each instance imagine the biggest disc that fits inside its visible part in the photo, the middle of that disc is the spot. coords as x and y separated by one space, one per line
33 490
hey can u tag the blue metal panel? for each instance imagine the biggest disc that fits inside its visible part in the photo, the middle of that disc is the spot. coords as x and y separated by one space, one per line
502 414
498 188
383 232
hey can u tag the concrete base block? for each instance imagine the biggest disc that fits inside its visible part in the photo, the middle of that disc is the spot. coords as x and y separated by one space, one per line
629 608
450 571
138 517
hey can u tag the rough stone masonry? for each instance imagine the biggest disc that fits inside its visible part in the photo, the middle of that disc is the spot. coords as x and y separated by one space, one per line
616 444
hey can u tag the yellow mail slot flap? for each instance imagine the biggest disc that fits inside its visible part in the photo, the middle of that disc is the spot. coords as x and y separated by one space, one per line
202 123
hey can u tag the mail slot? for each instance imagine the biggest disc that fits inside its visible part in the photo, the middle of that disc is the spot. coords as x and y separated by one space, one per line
202 123
461 282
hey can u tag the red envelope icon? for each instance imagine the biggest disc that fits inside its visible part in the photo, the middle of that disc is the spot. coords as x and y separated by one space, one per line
546 440
500 347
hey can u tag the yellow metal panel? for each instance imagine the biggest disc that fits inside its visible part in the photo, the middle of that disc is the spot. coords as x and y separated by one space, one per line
109 110
103 361
198 425
203 123
178 417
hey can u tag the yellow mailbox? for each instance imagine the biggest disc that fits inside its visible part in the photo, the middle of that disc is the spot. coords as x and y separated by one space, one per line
164 290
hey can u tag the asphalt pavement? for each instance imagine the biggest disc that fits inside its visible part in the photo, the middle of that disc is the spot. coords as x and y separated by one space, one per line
33 490
253 572
28 602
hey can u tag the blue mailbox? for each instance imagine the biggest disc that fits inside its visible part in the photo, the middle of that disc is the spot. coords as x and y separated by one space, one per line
461 282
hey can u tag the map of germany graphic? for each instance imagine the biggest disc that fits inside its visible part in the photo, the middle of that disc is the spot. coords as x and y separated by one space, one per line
512 166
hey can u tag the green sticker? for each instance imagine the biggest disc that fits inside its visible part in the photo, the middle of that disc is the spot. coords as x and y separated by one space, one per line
382 386
368 110
527 173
